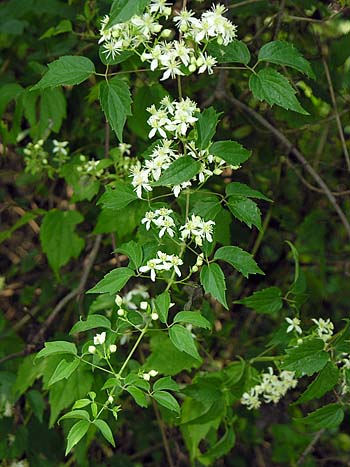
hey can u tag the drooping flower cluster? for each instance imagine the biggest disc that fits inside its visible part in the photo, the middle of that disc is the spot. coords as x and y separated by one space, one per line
271 389
173 121
146 35
163 262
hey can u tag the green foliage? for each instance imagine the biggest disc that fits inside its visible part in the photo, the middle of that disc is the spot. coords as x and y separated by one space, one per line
116 103
58 238
153 177
270 86
66 71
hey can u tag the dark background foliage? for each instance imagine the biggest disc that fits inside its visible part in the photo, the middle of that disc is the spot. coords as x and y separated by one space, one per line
285 145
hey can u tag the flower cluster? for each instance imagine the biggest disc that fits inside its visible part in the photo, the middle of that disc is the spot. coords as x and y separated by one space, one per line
128 300
100 339
175 57
36 158
90 167
271 389
60 151
198 229
163 262
162 219
324 328
173 121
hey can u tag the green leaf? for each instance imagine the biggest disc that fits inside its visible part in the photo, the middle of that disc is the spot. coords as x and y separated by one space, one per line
267 301
230 151
213 280
122 57
284 53
65 392
58 238
81 403
37 403
274 88
324 382
113 282
306 359
166 358
64 370
134 251
181 170
245 210
208 207
57 347
235 52
118 197
239 259
123 10
76 414
138 395
63 26
192 317
220 448
116 104
204 390
76 433
167 400
240 189
165 383
66 71
91 322
183 340
295 255
162 305
206 127
329 416
105 430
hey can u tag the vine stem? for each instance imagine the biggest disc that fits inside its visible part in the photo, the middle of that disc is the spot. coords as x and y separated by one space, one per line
132 351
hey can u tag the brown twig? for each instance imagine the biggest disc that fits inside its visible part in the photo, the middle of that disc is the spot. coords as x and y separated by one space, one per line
299 156
88 263
337 117
308 185
164 437
279 19
310 446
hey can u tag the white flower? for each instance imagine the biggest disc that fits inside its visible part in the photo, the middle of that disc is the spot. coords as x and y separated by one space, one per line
324 328
60 147
175 261
112 48
143 305
147 220
184 19
99 339
140 180
153 373
152 265
91 349
251 400
206 62
294 324
112 348
161 7
146 376
172 69
166 225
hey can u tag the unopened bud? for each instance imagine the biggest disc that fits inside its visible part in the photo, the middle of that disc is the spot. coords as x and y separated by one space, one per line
154 316
91 349
112 348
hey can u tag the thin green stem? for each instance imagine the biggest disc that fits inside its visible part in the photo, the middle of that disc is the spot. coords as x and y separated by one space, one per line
143 332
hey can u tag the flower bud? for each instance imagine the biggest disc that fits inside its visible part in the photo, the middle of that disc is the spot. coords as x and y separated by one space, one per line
192 68
118 300
112 348
194 268
166 33
143 305
121 312
153 373
110 399
146 377
91 349
154 316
